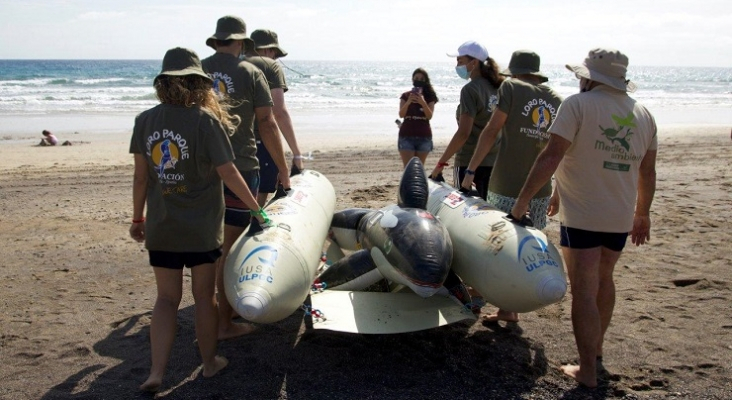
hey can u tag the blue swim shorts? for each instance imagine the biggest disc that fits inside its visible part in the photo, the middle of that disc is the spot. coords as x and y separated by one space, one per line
581 239
237 213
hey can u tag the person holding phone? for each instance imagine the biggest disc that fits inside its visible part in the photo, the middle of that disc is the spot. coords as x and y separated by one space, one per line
416 107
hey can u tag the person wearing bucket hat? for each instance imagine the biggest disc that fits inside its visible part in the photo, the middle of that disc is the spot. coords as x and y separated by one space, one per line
478 99
603 147
263 55
181 154
526 108
245 86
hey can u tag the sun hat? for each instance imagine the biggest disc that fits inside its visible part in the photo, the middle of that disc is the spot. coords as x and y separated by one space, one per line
471 48
607 66
230 27
524 62
179 62
266 39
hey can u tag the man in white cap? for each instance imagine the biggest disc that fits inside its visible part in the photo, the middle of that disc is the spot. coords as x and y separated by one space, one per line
246 89
263 55
603 147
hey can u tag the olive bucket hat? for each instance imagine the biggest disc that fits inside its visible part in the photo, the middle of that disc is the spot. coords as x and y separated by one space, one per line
266 39
230 28
608 66
525 62
179 62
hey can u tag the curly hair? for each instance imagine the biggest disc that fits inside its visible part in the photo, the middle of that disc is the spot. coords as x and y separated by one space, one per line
190 90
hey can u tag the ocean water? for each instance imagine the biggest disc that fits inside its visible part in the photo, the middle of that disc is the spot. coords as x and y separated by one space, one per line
37 89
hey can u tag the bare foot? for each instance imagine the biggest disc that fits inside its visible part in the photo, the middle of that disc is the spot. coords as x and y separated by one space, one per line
573 371
235 330
219 364
502 315
151 385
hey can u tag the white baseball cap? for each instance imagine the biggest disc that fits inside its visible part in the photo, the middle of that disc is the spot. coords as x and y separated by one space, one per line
471 48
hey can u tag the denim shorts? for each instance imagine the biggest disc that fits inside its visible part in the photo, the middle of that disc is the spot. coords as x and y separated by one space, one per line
581 239
178 260
414 143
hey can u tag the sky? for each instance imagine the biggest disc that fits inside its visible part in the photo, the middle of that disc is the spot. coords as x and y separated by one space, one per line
650 32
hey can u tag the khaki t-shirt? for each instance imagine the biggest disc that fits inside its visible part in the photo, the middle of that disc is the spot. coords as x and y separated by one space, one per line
477 99
598 177
273 73
531 110
185 202
246 86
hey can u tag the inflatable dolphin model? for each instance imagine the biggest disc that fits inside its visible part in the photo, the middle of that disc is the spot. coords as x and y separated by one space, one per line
403 243
514 267
268 274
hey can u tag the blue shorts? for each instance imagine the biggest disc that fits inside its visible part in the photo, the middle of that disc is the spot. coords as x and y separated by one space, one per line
581 239
237 213
414 143
176 260
267 170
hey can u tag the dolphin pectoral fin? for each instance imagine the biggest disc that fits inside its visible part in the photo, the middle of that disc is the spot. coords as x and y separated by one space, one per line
356 271
413 188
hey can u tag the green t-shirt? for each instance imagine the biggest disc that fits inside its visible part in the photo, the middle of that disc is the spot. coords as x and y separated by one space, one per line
274 75
185 201
530 109
247 88
477 99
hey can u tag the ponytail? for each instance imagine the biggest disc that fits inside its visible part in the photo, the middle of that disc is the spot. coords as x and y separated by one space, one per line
489 70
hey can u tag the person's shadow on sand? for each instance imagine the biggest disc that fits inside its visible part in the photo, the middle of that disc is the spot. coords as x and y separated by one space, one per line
287 360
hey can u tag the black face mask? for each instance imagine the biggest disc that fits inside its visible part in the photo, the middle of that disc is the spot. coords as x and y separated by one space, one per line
419 83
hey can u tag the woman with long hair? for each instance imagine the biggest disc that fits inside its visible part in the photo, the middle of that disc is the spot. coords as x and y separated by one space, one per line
416 107
182 153
478 99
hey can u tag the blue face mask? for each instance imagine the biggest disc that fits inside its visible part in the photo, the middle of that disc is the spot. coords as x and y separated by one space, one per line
462 71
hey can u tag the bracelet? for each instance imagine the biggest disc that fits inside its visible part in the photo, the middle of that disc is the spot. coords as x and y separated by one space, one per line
298 157
469 172
138 221
442 164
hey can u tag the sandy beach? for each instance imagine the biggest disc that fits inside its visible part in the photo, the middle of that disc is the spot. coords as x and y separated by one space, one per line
77 293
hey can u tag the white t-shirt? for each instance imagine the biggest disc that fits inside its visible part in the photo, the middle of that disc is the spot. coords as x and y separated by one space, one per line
598 177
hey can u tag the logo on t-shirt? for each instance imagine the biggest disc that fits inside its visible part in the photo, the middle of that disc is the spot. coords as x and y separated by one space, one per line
541 114
165 149
618 136
222 83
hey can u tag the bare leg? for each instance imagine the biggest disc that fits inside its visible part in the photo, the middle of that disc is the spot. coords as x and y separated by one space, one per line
406 155
583 266
606 293
262 198
163 324
228 329
206 316
422 156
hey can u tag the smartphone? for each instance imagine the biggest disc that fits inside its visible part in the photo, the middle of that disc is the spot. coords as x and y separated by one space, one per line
417 90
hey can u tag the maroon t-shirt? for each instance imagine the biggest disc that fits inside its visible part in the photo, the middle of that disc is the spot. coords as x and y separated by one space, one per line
415 123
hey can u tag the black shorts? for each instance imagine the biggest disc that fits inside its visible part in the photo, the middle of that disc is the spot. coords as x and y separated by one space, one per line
176 260
237 213
581 239
267 170
481 179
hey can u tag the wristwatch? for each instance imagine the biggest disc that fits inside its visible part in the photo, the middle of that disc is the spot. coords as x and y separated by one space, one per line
469 172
